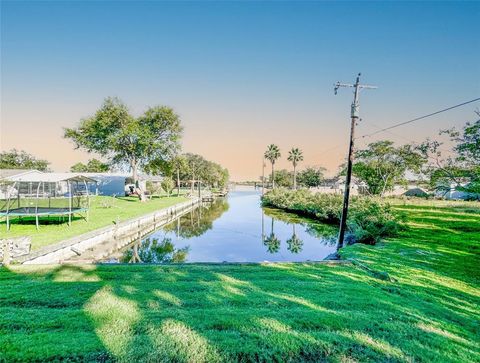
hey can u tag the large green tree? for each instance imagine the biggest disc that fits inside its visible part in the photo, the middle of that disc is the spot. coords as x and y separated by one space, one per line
295 155
19 159
178 164
283 178
173 168
272 154
168 184
92 166
382 165
196 168
124 139
311 177
460 166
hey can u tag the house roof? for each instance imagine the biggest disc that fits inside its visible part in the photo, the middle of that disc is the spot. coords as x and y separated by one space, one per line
7 173
51 177
154 178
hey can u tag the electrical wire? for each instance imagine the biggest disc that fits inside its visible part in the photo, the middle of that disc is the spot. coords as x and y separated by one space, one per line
410 141
419 118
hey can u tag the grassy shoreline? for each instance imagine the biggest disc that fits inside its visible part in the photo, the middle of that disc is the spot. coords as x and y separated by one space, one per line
104 211
284 312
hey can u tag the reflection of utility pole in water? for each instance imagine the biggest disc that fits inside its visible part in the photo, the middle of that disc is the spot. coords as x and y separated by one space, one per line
199 214
263 224
178 227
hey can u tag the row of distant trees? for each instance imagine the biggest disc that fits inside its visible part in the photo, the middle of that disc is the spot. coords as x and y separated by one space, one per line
19 159
382 165
150 143
191 168
309 177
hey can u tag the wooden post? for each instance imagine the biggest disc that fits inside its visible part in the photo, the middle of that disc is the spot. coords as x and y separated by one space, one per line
36 206
69 204
6 253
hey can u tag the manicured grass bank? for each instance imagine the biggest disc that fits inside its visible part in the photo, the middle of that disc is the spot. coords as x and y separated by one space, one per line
104 211
426 312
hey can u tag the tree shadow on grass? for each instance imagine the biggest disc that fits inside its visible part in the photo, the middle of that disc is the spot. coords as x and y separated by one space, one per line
41 314
207 313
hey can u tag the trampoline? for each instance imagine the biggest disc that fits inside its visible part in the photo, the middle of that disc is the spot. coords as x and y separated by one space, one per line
45 195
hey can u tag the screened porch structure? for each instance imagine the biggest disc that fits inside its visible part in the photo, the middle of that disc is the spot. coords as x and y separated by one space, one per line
44 196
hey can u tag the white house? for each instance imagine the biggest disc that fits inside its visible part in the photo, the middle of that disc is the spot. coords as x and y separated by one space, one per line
454 194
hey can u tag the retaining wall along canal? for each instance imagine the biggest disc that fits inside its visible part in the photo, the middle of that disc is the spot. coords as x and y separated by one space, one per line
117 236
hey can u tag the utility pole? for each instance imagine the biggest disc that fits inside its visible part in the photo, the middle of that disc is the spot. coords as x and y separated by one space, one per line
354 115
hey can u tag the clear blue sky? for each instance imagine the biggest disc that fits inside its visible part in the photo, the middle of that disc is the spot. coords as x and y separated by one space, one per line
241 74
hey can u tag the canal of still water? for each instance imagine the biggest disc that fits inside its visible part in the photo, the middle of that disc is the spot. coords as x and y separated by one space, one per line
233 229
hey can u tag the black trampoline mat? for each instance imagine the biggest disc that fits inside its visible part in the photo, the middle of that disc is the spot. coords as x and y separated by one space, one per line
32 211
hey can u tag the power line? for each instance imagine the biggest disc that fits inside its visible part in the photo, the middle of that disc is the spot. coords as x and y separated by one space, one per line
397 125
420 118
413 142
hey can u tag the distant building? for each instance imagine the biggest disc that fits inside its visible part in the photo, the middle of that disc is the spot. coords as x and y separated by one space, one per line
120 183
454 192
336 185
117 184
416 192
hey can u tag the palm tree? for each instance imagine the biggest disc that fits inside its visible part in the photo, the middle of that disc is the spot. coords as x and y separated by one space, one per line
272 154
295 156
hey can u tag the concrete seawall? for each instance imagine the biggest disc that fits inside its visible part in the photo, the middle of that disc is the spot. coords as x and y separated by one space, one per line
116 236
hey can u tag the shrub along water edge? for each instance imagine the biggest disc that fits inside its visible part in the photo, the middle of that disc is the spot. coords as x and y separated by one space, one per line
369 219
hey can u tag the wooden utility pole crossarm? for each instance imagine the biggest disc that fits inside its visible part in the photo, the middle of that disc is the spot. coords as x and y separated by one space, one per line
354 118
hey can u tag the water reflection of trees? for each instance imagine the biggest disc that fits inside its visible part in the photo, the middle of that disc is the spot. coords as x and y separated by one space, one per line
328 234
271 241
153 250
312 227
198 220
325 233
294 243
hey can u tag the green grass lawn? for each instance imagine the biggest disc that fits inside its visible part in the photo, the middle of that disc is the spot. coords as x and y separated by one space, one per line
428 311
104 211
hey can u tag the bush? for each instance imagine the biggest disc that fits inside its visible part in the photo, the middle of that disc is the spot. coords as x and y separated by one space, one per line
369 219
168 184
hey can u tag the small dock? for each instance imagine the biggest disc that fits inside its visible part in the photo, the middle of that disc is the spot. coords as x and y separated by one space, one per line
210 197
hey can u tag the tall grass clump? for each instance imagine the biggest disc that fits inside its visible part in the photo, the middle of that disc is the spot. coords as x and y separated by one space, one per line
369 219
